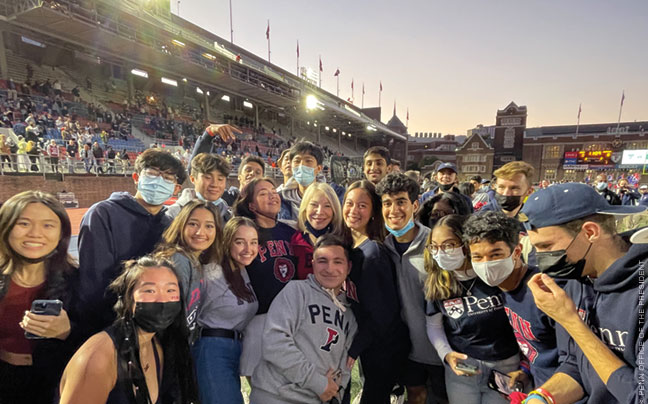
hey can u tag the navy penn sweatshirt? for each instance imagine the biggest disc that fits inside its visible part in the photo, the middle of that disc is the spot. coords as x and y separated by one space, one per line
113 230
614 307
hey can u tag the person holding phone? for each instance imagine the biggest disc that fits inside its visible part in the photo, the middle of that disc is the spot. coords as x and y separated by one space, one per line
34 273
465 321
143 357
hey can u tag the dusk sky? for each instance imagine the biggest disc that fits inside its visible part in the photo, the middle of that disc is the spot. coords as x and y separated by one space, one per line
454 63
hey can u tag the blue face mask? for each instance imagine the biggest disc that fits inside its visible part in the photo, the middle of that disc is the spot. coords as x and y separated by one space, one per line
202 198
400 233
304 175
154 190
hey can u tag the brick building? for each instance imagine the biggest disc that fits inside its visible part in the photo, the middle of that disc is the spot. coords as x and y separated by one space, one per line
475 157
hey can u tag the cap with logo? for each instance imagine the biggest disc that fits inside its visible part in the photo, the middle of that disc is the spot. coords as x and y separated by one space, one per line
447 165
562 203
644 186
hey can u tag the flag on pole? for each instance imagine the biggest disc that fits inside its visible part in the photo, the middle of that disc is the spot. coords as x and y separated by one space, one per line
268 31
297 48
407 118
337 72
622 97
381 85
320 65
363 92
620 110
394 107
579 111
351 84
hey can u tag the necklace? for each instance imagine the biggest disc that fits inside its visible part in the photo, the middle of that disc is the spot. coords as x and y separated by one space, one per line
468 292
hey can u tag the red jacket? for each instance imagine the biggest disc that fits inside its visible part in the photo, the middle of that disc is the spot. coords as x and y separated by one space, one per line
303 251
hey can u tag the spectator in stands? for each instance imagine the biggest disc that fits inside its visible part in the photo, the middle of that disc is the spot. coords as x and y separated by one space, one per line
272 269
406 244
87 157
120 228
208 174
319 213
34 264
191 242
305 357
33 152
12 93
144 355
306 162
72 149
56 86
207 142
23 160
285 166
251 167
602 188
125 159
227 308
53 152
382 342
643 190
110 157
5 152
98 157
446 177
376 163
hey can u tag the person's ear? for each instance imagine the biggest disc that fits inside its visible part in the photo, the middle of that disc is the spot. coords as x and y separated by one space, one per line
416 205
592 231
517 252
318 169
135 178
192 179
389 168
177 189
350 265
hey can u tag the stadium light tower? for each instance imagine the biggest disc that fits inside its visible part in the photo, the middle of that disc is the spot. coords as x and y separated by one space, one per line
313 103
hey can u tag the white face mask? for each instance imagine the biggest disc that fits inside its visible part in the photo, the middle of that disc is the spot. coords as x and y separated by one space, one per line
451 260
494 272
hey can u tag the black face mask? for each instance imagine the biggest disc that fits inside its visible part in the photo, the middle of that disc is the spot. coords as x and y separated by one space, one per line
508 202
317 233
555 264
35 260
155 316
446 187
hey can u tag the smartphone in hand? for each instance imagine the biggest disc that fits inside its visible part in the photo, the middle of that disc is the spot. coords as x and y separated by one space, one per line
499 382
44 308
466 368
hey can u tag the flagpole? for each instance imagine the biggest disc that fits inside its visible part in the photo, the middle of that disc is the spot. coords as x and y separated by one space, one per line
297 57
231 25
578 121
620 110
362 106
352 92
379 96
338 85
268 32
320 71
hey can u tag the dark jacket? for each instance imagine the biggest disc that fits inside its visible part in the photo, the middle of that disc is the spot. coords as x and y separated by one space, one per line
111 232
610 197
613 306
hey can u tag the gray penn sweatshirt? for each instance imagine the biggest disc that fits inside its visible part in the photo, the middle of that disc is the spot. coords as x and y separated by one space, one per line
305 335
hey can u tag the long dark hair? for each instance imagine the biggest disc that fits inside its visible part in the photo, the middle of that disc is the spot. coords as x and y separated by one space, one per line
174 339
230 271
376 227
246 197
58 265
173 237
457 202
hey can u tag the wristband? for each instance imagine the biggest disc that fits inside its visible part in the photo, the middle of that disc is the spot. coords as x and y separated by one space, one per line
525 369
536 396
544 393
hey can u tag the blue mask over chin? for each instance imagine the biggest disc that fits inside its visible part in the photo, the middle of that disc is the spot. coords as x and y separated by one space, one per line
155 191
304 175
202 198
400 233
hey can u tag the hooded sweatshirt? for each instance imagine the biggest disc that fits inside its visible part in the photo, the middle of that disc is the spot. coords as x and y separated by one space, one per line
291 199
188 195
112 231
410 275
305 335
614 307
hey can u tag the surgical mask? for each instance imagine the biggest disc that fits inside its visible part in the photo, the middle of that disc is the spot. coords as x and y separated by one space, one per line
156 316
601 186
494 272
555 264
450 260
400 233
155 190
202 198
446 187
508 202
304 175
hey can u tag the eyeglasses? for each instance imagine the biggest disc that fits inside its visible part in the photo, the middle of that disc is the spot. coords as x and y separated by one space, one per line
153 173
445 247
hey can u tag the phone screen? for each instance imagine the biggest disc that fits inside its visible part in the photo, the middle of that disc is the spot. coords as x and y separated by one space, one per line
498 381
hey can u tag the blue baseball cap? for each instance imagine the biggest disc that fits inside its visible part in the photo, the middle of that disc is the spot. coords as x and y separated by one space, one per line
562 203
447 165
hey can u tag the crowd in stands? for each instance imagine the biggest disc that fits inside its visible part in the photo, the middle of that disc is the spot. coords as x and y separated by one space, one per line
489 291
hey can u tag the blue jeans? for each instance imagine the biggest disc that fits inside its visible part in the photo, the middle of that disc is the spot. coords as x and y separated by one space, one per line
474 389
217 370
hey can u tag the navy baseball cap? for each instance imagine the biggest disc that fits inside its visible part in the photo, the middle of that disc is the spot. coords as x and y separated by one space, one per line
562 203
447 165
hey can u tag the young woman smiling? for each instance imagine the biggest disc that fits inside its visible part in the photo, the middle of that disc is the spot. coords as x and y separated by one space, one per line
272 269
319 213
381 342
192 241
34 264
228 306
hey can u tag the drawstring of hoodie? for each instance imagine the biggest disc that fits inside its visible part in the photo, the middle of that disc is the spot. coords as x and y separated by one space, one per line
337 303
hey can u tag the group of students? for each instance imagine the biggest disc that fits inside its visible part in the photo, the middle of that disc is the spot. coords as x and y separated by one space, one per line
289 288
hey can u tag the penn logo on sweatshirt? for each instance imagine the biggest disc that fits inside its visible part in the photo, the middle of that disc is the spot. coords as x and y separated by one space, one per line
320 314
472 305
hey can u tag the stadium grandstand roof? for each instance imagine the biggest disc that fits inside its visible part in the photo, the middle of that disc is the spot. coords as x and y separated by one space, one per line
597 128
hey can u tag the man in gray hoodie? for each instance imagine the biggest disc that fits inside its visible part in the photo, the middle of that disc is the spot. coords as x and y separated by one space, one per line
307 335
406 244
209 176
